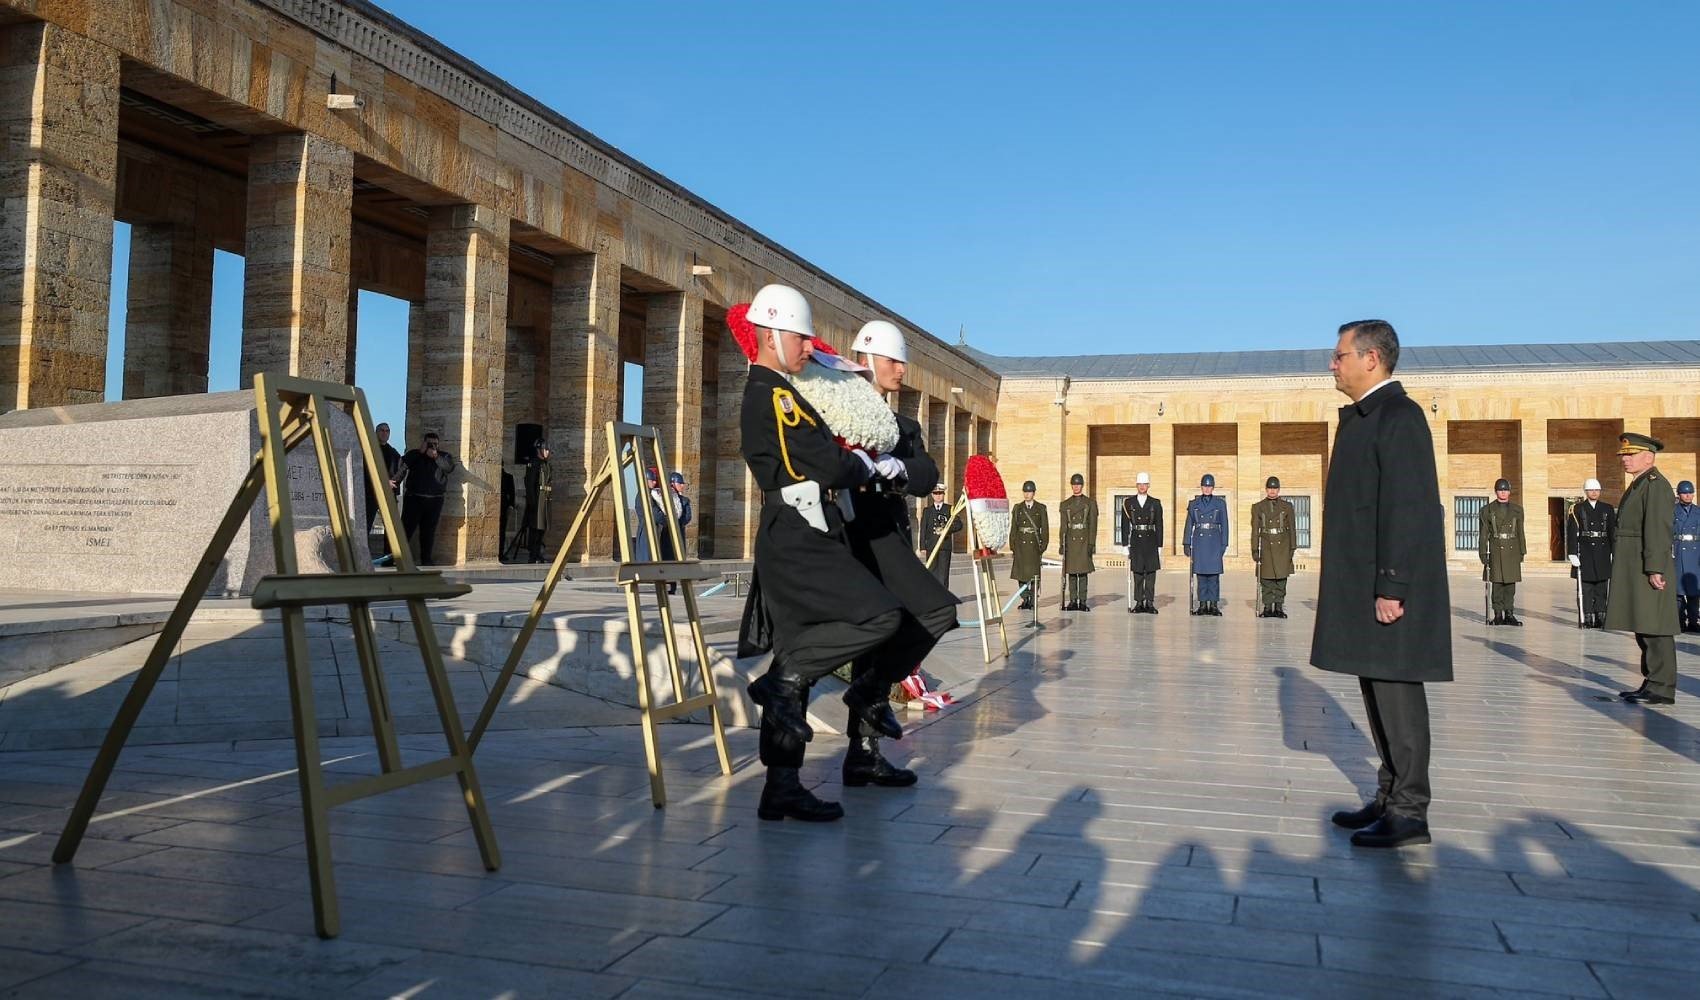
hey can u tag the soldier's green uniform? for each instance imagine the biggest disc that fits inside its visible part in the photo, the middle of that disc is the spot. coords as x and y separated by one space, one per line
1078 540
1029 534
1643 550
1274 537
1502 547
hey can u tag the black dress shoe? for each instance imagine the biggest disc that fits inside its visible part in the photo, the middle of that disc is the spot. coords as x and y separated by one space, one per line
1498 619
784 797
1393 831
1632 695
1357 819
1648 698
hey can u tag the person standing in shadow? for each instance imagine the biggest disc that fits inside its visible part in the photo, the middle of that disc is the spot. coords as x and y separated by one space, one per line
1383 607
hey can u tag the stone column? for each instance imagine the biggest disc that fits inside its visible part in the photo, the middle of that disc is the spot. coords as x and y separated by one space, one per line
58 173
413 430
736 501
1248 476
463 375
295 285
1532 491
1443 474
350 349
672 378
1163 481
168 319
584 355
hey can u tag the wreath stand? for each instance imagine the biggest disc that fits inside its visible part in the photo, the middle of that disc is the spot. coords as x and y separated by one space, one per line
638 446
291 411
985 580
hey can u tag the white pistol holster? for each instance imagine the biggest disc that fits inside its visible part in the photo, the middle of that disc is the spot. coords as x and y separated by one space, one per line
805 497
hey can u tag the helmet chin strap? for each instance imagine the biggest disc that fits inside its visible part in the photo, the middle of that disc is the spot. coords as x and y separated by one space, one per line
779 348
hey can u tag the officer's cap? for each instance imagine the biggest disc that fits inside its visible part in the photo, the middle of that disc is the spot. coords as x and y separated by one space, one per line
676 477
1208 480
1629 444
1029 487
1143 479
1592 484
1685 487
1503 484
1272 484
1077 480
939 488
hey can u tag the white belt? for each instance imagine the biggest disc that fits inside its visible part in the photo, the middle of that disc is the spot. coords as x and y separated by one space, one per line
1145 527
1204 527
1274 531
1506 535
1688 538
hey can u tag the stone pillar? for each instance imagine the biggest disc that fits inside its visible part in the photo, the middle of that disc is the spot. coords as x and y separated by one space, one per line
1248 477
1163 481
295 285
168 319
1442 473
413 429
463 376
584 355
672 378
350 350
58 175
1532 491
736 501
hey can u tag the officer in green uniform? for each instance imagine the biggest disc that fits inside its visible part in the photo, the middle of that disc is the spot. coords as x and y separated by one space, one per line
1029 533
1643 589
1502 548
1078 541
1274 537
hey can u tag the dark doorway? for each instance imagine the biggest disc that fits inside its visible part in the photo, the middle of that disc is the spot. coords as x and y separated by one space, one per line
1555 530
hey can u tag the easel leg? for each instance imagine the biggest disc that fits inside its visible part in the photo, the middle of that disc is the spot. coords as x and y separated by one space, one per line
640 667
477 810
314 809
706 669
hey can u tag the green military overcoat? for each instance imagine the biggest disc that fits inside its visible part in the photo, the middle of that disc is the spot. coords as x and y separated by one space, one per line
1501 543
1078 533
1274 537
1029 534
1643 547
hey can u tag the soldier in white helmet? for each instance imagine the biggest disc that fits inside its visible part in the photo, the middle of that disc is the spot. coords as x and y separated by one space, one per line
811 602
883 540
1588 533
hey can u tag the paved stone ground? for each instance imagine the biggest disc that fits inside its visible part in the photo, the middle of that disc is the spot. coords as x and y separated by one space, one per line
1129 806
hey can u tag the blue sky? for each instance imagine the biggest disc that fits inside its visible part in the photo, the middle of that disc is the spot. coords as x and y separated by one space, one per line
1153 176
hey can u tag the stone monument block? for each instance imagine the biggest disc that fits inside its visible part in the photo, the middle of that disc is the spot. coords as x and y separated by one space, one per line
125 497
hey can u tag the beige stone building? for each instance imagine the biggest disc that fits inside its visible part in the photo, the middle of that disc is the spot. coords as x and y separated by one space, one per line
1546 417
337 149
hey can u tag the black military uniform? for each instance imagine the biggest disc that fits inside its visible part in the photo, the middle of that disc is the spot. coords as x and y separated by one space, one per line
1501 545
934 516
880 537
1029 534
1588 536
811 602
539 485
392 467
1142 533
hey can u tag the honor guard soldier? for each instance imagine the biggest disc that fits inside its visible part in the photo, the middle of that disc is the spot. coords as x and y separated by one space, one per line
1588 535
810 602
1030 533
1274 538
1142 533
1205 541
1685 541
880 537
1078 542
1502 548
539 485
935 521
1643 590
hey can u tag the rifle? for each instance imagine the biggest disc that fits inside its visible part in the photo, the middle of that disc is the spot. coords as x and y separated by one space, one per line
1576 571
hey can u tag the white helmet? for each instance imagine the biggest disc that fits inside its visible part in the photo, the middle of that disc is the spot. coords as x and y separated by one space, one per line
1592 484
780 307
884 339
1143 479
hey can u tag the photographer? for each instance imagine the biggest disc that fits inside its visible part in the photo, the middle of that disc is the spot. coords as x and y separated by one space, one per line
425 473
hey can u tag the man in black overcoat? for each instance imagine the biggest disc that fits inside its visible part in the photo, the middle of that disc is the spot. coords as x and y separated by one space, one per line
1383 611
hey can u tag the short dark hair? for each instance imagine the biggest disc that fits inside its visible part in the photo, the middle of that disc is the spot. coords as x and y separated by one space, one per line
1375 335
431 436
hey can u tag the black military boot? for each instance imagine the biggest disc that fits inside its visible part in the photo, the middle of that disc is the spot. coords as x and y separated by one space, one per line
1498 618
869 701
1511 619
1216 609
784 797
1280 611
865 765
782 698
1150 608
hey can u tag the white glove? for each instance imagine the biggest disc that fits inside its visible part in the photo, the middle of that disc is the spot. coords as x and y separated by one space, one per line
892 468
859 453
1576 561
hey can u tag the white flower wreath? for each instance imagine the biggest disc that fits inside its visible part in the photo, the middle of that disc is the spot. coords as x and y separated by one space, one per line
853 408
991 522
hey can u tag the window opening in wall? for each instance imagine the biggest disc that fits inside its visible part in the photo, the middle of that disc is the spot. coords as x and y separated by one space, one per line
1467 515
1301 519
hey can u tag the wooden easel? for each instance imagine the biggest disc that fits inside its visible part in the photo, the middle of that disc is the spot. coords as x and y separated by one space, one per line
628 445
985 579
291 411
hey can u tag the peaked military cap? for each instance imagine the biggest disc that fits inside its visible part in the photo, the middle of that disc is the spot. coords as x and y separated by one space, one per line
1272 484
1077 480
1208 480
1503 484
1630 443
1029 487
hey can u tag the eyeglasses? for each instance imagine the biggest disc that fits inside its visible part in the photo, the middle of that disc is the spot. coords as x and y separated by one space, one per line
1340 354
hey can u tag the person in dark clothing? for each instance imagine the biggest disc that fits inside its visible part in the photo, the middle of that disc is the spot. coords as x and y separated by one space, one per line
934 517
425 473
539 484
509 548
1383 610
392 463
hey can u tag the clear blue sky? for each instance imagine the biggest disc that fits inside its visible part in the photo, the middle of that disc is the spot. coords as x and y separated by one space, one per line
1155 176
